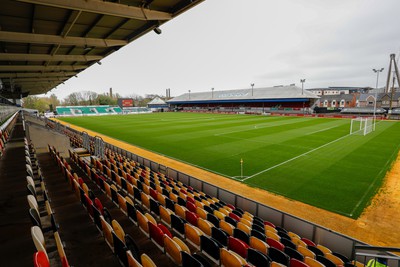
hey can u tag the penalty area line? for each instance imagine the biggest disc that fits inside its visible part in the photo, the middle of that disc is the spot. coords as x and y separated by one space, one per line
294 158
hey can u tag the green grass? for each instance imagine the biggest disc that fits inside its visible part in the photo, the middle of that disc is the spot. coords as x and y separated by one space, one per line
312 160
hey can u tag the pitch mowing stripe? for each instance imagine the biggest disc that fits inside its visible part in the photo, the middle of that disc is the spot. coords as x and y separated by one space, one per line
372 185
301 155
347 211
269 142
265 125
195 141
322 130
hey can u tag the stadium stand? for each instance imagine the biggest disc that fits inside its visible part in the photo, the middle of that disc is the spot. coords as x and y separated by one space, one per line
280 99
370 111
87 110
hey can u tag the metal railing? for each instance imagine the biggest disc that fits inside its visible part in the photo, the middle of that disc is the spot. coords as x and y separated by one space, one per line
364 254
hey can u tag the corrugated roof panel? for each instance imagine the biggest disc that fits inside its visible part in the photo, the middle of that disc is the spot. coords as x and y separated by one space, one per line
284 92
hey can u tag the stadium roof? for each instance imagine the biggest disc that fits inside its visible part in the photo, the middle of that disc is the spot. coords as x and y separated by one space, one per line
240 95
45 42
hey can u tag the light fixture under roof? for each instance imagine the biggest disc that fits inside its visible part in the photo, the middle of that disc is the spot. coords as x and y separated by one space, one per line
157 30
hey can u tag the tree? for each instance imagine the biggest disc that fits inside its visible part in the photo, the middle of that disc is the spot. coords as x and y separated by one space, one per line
136 98
89 98
29 102
72 100
53 102
42 105
83 98
106 100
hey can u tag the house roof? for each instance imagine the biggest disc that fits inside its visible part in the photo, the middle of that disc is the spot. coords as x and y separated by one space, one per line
338 88
156 101
363 97
346 97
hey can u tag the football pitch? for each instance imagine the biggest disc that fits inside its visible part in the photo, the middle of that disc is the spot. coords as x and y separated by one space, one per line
312 160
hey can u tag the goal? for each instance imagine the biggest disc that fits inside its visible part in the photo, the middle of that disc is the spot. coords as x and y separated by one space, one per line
362 126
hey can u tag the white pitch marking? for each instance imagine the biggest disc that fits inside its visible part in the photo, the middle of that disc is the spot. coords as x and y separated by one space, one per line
322 130
259 126
370 186
289 160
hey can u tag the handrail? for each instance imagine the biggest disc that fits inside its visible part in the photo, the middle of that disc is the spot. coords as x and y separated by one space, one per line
361 251
364 247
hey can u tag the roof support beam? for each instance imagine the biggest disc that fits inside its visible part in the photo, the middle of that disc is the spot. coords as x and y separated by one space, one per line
106 8
34 84
42 68
45 79
46 57
40 85
32 38
65 31
37 74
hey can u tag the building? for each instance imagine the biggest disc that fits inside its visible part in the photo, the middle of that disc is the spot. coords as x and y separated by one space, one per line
384 100
338 101
157 104
340 90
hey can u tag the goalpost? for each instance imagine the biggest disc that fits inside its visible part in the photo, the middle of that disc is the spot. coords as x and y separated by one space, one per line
362 126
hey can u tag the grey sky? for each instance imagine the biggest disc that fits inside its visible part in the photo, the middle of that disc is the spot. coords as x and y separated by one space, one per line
228 44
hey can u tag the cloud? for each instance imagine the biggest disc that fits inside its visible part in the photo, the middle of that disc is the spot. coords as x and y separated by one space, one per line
231 43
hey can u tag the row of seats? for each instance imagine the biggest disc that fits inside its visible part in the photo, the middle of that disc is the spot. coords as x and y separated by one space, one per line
44 231
175 216
228 219
186 230
121 244
141 215
5 135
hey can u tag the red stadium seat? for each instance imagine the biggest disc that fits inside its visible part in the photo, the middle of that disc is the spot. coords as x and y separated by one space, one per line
190 199
156 235
40 259
297 263
183 191
191 206
191 217
231 206
308 242
99 205
165 230
238 246
275 244
269 223
153 193
234 216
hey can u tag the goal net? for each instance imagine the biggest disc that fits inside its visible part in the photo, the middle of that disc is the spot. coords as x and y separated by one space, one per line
362 126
